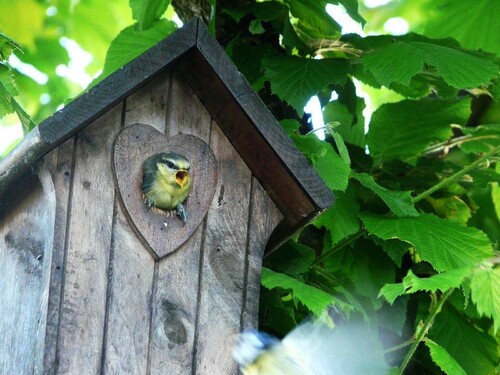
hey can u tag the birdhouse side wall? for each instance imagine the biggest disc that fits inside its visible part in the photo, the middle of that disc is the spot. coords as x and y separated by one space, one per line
26 234
113 307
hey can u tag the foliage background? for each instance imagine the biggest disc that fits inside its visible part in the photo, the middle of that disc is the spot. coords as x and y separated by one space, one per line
412 130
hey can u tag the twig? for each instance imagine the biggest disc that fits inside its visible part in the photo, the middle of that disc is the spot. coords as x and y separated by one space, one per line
456 175
425 328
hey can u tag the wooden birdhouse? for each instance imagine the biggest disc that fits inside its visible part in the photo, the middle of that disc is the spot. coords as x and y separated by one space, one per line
94 281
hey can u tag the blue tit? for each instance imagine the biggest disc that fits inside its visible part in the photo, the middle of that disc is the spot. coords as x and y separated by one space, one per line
312 348
306 350
167 182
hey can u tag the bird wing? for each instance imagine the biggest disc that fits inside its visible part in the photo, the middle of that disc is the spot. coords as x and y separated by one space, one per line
149 174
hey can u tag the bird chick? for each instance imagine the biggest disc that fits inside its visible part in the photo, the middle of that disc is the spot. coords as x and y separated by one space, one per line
167 183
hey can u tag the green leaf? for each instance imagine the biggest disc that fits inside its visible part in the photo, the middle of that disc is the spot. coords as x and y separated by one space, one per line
312 21
442 281
452 208
406 128
292 258
399 202
333 170
459 69
371 270
482 138
394 248
351 6
412 283
7 46
474 350
339 142
445 244
341 219
473 26
296 80
313 298
392 291
148 12
444 360
131 42
485 288
336 112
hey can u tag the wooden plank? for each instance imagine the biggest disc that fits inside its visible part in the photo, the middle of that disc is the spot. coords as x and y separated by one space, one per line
223 263
149 104
61 168
129 302
133 268
175 296
264 218
87 255
26 235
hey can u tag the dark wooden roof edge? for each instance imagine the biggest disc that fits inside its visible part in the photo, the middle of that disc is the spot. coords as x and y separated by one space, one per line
89 106
265 123
112 90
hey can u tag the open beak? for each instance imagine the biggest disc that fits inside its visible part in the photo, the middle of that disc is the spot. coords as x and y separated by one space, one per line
181 176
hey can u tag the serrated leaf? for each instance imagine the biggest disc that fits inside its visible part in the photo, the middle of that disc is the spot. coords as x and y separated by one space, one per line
444 360
333 170
445 244
313 298
406 128
472 26
341 219
400 202
131 42
147 12
442 281
485 289
312 21
474 350
296 80
459 69
7 46
412 283
392 291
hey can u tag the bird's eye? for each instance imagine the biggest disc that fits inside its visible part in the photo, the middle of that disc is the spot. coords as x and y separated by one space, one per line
170 164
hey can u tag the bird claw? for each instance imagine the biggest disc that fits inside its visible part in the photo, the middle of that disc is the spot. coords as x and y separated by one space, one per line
182 213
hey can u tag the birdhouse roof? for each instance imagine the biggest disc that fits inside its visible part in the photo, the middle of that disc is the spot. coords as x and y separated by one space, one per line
282 170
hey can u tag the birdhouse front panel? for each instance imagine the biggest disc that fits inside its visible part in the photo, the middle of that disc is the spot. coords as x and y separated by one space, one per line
105 266
124 306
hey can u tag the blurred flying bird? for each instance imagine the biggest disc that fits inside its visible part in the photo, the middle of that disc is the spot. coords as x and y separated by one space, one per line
312 348
167 183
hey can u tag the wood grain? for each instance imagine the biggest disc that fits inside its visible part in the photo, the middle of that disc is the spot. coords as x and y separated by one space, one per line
88 246
129 302
131 279
264 218
163 234
175 298
60 161
223 264
26 235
